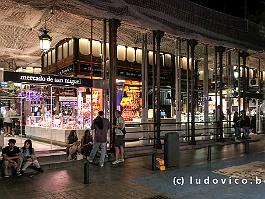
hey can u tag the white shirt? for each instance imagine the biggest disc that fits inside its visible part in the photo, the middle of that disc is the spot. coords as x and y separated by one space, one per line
8 116
120 122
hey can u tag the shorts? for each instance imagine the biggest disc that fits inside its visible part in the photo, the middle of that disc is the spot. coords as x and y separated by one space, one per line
7 124
119 140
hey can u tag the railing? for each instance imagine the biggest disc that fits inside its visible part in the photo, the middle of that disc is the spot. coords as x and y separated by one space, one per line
145 135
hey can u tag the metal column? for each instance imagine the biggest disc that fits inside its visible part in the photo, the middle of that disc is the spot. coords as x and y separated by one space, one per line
258 121
113 27
188 90
230 86
154 87
158 71
192 44
104 56
178 82
239 85
215 88
221 51
144 84
244 56
76 56
206 88
91 67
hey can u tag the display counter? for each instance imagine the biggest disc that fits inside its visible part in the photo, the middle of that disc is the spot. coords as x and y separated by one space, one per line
51 134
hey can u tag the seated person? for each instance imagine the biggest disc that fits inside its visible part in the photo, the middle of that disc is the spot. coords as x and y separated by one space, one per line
86 143
12 158
28 157
73 145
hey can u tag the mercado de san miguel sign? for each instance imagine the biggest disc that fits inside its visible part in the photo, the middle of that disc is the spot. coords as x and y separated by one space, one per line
46 79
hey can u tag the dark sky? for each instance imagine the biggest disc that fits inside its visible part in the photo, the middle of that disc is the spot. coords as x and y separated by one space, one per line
255 8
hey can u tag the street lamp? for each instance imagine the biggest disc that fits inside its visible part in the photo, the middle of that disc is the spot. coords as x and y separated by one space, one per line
45 40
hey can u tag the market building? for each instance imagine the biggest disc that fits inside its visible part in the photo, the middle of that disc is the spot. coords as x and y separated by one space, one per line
168 64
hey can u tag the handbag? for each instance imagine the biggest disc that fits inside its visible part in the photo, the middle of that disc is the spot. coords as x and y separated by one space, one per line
79 156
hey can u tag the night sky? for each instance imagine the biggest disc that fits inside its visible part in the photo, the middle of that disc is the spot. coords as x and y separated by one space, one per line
255 8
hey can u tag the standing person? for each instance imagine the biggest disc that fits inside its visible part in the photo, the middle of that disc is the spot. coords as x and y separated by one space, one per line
1 122
73 145
8 122
219 123
236 121
86 143
101 126
119 138
28 157
245 124
253 123
12 158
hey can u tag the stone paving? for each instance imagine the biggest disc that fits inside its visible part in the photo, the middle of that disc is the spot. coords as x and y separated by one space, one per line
134 179
109 182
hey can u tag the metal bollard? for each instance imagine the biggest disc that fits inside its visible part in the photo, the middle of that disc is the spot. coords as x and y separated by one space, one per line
209 156
153 161
86 173
246 146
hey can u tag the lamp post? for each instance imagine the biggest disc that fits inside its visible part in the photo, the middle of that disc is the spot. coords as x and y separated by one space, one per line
45 41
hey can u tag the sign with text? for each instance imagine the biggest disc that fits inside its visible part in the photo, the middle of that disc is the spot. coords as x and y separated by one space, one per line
47 79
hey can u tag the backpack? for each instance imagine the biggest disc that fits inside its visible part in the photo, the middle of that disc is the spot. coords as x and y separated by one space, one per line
124 131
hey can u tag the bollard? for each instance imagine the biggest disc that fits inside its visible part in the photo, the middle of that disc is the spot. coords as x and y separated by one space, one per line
246 146
171 149
209 156
153 160
86 173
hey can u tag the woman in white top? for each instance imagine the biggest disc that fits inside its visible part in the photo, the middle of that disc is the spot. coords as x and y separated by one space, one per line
7 122
119 138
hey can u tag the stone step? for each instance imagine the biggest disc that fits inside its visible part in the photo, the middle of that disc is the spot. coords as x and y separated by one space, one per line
51 156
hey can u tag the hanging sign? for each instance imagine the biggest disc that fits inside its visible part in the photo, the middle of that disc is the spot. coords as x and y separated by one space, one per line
47 79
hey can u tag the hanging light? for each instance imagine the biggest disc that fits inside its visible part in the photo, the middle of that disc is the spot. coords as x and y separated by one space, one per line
45 40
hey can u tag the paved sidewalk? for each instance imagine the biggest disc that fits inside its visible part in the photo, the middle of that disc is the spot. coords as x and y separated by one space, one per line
111 182
135 180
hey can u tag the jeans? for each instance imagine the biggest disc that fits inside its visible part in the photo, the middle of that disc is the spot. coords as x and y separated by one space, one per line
245 131
237 132
28 163
95 148
16 165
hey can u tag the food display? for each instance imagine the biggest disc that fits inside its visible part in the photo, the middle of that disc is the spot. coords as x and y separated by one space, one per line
74 113
131 103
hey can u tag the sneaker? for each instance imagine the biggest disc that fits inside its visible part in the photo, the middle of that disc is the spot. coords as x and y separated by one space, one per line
18 173
6 176
121 160
90 161
115 162
101 165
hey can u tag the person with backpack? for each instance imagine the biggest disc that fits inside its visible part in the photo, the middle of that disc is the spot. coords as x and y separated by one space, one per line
119 138
101 126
